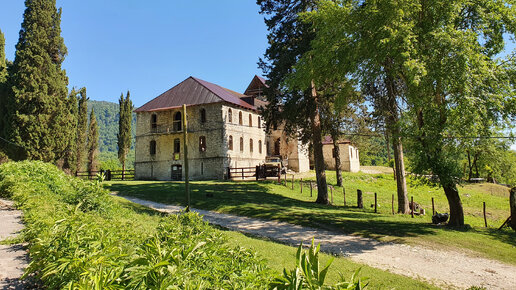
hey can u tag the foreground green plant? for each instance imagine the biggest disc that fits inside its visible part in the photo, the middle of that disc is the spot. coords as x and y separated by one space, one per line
307 274
80 238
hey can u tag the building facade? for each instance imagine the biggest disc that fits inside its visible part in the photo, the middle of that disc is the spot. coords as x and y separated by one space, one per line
349 155
224 130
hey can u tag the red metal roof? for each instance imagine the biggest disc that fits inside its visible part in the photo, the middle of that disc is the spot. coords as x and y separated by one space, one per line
256 85
328 140
194 91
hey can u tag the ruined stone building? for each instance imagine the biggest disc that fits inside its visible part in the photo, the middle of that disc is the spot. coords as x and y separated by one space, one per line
225 130
349 157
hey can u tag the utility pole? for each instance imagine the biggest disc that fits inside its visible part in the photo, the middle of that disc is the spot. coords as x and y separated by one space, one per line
187 177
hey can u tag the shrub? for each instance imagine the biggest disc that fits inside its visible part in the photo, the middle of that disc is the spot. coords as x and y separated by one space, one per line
79 237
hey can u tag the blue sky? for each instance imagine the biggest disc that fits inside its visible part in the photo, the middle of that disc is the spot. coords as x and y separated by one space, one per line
120 45
149 46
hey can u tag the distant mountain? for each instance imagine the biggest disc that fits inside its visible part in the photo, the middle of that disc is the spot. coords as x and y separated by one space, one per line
107 115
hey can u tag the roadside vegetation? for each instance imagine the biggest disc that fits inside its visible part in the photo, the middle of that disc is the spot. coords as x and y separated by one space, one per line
268 200
80 237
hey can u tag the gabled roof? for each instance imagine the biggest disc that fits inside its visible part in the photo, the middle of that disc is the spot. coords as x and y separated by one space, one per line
194 91
256 85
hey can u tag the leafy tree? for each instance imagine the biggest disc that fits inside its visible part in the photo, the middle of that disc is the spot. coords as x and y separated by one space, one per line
297 109
3 78
70 156
464 88
124 129
93 143
82 128
38 117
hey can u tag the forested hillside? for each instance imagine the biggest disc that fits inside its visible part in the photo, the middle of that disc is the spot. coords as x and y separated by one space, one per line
107 114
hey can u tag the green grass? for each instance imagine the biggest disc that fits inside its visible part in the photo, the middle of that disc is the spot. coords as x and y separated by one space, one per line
268 200
281 256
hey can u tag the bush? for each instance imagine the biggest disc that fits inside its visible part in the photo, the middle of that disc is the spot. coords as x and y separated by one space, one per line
79 237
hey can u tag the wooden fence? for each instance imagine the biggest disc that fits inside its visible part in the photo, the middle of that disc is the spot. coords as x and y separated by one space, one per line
108 174
258 172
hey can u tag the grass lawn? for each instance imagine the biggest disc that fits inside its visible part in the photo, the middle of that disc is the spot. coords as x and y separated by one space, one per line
268 200
279 256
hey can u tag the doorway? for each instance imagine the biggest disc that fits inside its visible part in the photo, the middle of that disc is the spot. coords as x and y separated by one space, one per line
177 173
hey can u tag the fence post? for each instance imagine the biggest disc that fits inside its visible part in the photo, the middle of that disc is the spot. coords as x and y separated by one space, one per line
392 204
285 178
331 191
375 204
433 207
301 184
256 172
310 188
279 174
360 202
243 173
485 218
412 202
229 173
344 195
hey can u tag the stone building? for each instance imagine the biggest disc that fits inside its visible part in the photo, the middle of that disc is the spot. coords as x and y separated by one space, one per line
225 130
349 155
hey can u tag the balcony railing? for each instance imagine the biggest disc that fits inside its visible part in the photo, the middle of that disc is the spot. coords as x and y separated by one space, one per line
164 129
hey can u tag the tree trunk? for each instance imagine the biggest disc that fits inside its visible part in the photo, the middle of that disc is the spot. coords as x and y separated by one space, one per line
470 174
123 170
320 173
456 211
388 145
512 200
338 169
401 184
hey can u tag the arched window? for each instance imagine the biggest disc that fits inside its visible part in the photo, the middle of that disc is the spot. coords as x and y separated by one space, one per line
230 116
240 121
230 142
203 116
177 145
202 144
250 120
178 124
154 121
260 146
152 147
251 145
259 122
277 146
351 151
241 144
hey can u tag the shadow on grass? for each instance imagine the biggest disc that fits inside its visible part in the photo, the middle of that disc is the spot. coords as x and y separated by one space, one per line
254 199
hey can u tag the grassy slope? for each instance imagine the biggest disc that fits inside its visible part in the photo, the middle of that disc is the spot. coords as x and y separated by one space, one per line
270 201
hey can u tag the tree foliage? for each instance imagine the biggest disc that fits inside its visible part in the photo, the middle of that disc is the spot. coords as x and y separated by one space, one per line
82 128
124 127
38 113
93 143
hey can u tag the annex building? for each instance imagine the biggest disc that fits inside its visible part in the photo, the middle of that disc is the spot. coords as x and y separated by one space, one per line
225 130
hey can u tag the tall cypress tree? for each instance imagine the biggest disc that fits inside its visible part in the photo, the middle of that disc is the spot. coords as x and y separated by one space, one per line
82 128
93 143
3 88
70 156
124 129
37 104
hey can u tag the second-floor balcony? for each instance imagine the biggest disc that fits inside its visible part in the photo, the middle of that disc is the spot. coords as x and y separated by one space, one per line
166 129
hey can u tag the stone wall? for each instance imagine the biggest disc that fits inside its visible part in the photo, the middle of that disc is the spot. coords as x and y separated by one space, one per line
349 157
290 149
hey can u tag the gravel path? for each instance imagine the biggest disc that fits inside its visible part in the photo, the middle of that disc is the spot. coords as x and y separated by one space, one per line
13 258
442 268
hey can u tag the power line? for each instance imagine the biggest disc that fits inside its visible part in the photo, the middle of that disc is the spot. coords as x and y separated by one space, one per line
9 142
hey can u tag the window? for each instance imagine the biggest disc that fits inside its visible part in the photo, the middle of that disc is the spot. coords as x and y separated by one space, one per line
230 142
251 145
154 121
351 150
178 124
260 146
250 120
202 144
268 148
259 122
230 116
203 116
240 121
152 147
177 145
241 144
